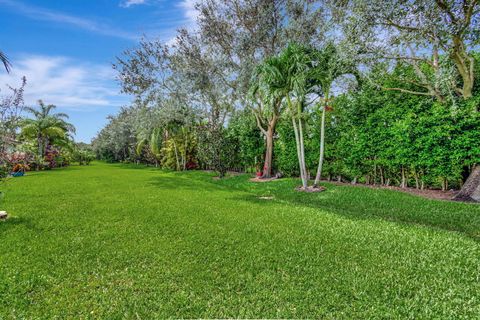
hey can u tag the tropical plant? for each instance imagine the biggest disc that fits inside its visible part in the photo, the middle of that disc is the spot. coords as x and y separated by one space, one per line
46 128
329 65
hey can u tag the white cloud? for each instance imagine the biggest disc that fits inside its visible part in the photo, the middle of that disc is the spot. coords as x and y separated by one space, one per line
65 82
189 10
190 14
129 3
38 13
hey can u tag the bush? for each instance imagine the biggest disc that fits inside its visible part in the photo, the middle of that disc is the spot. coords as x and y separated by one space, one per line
83 157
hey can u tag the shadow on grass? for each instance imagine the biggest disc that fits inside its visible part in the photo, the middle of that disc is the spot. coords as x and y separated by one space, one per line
184 181
133 166
394 206
347 201
14 222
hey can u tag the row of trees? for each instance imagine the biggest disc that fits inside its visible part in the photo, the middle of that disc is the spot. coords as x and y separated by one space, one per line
374 91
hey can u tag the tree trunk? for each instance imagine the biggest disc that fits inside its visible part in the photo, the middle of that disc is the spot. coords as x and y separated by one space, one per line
444 184
297 142
417 180
322 150
471 189
267 166
403 185
302 153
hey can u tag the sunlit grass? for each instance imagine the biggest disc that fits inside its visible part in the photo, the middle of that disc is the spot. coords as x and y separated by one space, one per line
113 241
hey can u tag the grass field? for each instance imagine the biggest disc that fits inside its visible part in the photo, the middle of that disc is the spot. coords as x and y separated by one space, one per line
117 241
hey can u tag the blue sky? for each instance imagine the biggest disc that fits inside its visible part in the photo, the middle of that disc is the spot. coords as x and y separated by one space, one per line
65 48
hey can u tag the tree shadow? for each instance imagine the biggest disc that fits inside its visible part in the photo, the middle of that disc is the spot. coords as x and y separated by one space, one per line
15 222
348 201
389 205
185 181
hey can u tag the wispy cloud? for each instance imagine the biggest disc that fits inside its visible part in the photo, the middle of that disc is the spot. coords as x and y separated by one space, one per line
189 10
129 3
65 82
38 13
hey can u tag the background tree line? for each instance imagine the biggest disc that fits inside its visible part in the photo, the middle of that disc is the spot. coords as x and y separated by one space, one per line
381 92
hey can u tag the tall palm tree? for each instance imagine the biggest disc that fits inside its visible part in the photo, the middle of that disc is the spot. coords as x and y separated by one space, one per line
267 106
329 65
46 127
296 65
4 60
287 76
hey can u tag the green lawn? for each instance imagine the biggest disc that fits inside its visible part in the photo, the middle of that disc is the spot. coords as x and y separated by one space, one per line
117 241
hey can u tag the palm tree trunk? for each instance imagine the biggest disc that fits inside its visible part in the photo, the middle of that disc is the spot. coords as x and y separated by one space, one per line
269 134
322 149
297 140
302 155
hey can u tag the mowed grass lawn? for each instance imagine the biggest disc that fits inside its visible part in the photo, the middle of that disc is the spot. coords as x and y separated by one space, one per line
118 241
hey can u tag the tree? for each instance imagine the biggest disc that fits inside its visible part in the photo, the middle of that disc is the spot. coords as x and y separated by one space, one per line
46 127
117 140
267 106
289 78
11 107
329 66
436 38
245 34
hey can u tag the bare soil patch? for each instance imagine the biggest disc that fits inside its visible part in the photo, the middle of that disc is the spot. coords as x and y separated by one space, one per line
310 189
258 179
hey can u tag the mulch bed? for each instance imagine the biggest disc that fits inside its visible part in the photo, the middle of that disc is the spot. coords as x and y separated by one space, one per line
258 179
426 193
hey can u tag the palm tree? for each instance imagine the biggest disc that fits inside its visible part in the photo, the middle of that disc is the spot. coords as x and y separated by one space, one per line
154 141
296 65
46 127
329 66
267 106
286 77
4 60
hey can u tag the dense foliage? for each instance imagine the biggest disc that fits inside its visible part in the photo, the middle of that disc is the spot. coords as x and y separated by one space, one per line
32 137
308 89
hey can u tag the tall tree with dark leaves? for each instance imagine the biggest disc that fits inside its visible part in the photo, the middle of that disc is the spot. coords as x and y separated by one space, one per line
436 38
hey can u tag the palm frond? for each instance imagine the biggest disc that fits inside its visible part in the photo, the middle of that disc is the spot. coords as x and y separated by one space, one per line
6 63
